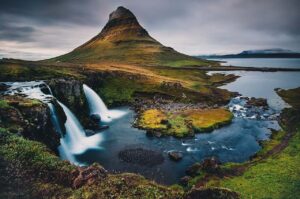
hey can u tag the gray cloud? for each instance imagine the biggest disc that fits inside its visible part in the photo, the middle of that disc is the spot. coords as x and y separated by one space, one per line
52 27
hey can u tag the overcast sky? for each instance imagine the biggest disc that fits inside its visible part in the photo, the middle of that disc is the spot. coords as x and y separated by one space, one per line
38 29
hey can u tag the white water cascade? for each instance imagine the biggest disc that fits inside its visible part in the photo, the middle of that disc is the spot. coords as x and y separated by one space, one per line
75 141
97 106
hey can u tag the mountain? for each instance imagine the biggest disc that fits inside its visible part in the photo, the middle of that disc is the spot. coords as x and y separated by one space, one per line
264 53
124 40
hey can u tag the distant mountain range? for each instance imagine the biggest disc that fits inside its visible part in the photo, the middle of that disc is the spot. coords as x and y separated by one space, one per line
264 53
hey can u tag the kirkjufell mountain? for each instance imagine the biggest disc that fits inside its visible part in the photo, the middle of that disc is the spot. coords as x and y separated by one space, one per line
124 40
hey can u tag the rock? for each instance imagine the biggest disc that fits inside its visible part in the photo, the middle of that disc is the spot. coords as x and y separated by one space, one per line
175 155
152 133
168 85
194 170
185 180
32 120
89 132
95 118
140 156
259 102
210 165
212 193
88 175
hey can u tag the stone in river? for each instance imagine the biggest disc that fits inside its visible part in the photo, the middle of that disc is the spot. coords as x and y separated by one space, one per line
175 155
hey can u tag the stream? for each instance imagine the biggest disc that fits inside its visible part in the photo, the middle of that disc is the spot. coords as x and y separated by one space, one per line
233 143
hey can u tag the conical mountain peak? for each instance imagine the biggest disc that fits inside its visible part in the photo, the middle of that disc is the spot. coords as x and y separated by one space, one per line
121 13
124 40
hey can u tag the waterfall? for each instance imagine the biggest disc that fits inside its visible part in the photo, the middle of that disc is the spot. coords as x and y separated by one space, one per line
75 136
74 141
97 106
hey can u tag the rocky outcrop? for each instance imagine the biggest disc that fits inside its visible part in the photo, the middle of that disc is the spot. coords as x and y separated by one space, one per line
70 93
175 155
29 118
209 165
88 175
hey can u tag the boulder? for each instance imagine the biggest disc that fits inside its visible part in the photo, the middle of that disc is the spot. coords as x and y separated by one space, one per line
259 102
95 118
185 180
194 170
175 155
88 175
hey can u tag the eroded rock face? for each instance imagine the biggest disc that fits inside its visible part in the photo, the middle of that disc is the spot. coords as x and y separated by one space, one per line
70 93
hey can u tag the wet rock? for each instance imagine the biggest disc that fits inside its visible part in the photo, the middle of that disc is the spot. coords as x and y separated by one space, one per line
212 193
185 180
88 175
95 118
89 132
175 155
3 87
194 170
259 102
141 156
210 165
151 133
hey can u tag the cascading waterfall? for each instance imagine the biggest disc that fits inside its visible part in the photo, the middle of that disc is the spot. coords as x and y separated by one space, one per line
74 141
97 106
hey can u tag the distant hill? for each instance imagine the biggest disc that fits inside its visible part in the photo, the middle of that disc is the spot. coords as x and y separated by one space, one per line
265 53
124 40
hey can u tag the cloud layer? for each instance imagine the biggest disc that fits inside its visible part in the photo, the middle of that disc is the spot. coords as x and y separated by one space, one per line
38 29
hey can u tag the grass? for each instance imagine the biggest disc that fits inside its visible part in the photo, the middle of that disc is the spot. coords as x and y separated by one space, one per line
184 123
291 96
3 104
276 177
208 119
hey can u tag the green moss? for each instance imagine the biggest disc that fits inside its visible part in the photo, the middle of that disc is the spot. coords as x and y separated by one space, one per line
179 126
4 104
183 123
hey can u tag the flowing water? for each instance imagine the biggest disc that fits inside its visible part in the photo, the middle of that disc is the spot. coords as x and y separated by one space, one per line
235 142
73 140
97 106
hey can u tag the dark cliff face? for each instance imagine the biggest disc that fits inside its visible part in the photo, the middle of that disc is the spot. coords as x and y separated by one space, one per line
70 93
29 118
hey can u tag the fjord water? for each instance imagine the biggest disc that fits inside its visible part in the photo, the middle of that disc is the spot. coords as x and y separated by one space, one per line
262 62
262 84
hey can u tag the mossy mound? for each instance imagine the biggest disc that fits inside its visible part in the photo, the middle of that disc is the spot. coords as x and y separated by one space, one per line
183 123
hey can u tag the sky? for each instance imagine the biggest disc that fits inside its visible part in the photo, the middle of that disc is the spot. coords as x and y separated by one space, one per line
39 29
